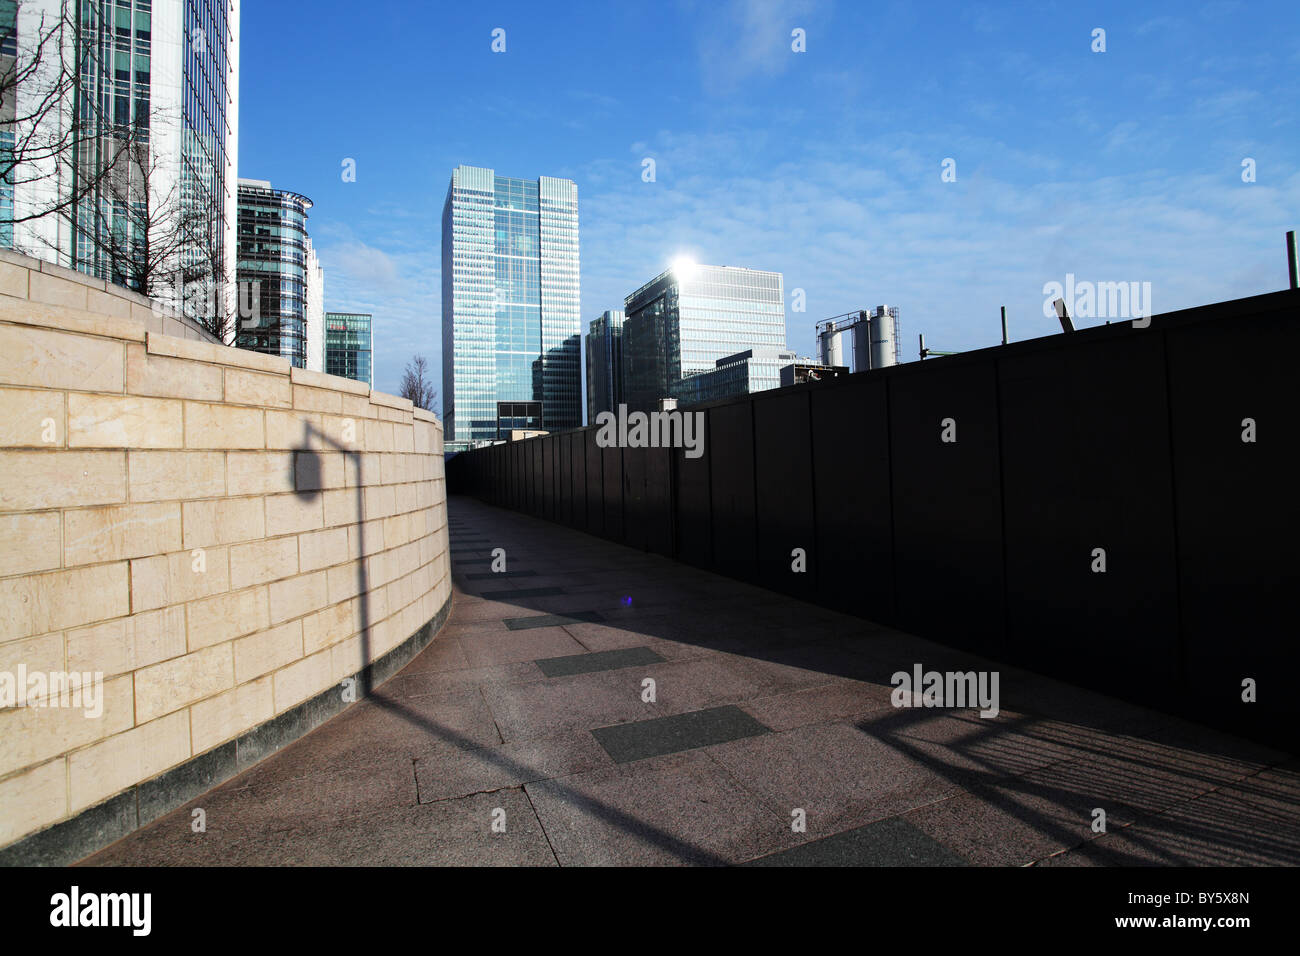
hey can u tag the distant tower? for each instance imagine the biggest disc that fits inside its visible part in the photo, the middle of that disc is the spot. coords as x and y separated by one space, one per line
604 364
511 327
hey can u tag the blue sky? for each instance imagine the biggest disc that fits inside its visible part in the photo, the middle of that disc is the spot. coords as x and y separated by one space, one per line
824 165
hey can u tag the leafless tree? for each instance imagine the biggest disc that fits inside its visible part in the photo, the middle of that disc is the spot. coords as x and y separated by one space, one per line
108 191
139 232
53 136
416 385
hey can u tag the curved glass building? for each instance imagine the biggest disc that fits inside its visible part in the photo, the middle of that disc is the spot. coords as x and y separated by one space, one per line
273 254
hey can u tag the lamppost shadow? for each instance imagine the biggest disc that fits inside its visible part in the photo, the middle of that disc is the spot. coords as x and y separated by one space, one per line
309 484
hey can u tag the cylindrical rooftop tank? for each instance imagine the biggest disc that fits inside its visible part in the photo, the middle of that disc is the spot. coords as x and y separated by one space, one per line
832 347
861 345
882 338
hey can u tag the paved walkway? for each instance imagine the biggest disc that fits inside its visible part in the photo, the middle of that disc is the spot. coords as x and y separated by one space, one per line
528 709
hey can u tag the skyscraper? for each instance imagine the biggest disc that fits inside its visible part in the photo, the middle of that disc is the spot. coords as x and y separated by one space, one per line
349 345
604 364
274 254
162 75
685 319
510 301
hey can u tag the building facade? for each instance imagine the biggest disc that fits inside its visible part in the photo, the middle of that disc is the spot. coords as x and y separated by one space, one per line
684 320
804 370
315 311
162 75
274 263
510 301
604 364
753 370
349 346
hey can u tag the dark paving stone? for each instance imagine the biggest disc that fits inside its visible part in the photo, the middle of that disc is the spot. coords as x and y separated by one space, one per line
597 661
891 842
670 735
488 575
673 810
551 620
520 593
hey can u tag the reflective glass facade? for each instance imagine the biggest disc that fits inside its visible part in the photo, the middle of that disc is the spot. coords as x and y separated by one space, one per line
753 370
510 287
117 76
681 322
8 51
116 80
273 254
517 416
349 342
604 364
204 163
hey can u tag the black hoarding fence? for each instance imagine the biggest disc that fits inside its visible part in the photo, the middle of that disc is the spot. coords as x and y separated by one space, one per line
1116 507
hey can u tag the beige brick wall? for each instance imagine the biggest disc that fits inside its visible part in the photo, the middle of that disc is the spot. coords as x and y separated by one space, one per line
192 522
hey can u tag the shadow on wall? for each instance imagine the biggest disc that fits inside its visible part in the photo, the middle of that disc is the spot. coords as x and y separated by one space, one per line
309 484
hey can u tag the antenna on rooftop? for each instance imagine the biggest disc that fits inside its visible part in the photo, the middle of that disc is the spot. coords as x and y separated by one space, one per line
1292 263
925 353
1062 313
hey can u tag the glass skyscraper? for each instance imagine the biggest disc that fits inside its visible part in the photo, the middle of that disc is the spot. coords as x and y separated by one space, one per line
166 71
604 364
349 342
273 253
682 321
510 310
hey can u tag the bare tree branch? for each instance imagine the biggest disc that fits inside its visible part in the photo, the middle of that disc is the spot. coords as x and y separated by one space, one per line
416 385
40 77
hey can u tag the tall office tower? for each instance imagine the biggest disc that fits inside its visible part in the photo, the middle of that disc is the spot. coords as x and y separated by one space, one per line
682 321
128 130
510 302
349 346
273 254
315 311
604 364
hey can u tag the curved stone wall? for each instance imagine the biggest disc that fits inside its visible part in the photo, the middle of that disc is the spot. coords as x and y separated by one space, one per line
199 546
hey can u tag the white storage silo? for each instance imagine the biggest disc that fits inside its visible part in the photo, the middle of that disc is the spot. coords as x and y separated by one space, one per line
831 342
882 337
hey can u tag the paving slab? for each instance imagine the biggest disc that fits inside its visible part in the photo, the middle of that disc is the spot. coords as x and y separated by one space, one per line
597 661
887 843
550 620
444 776
668 735
515 594
487 647
674 810
837 775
